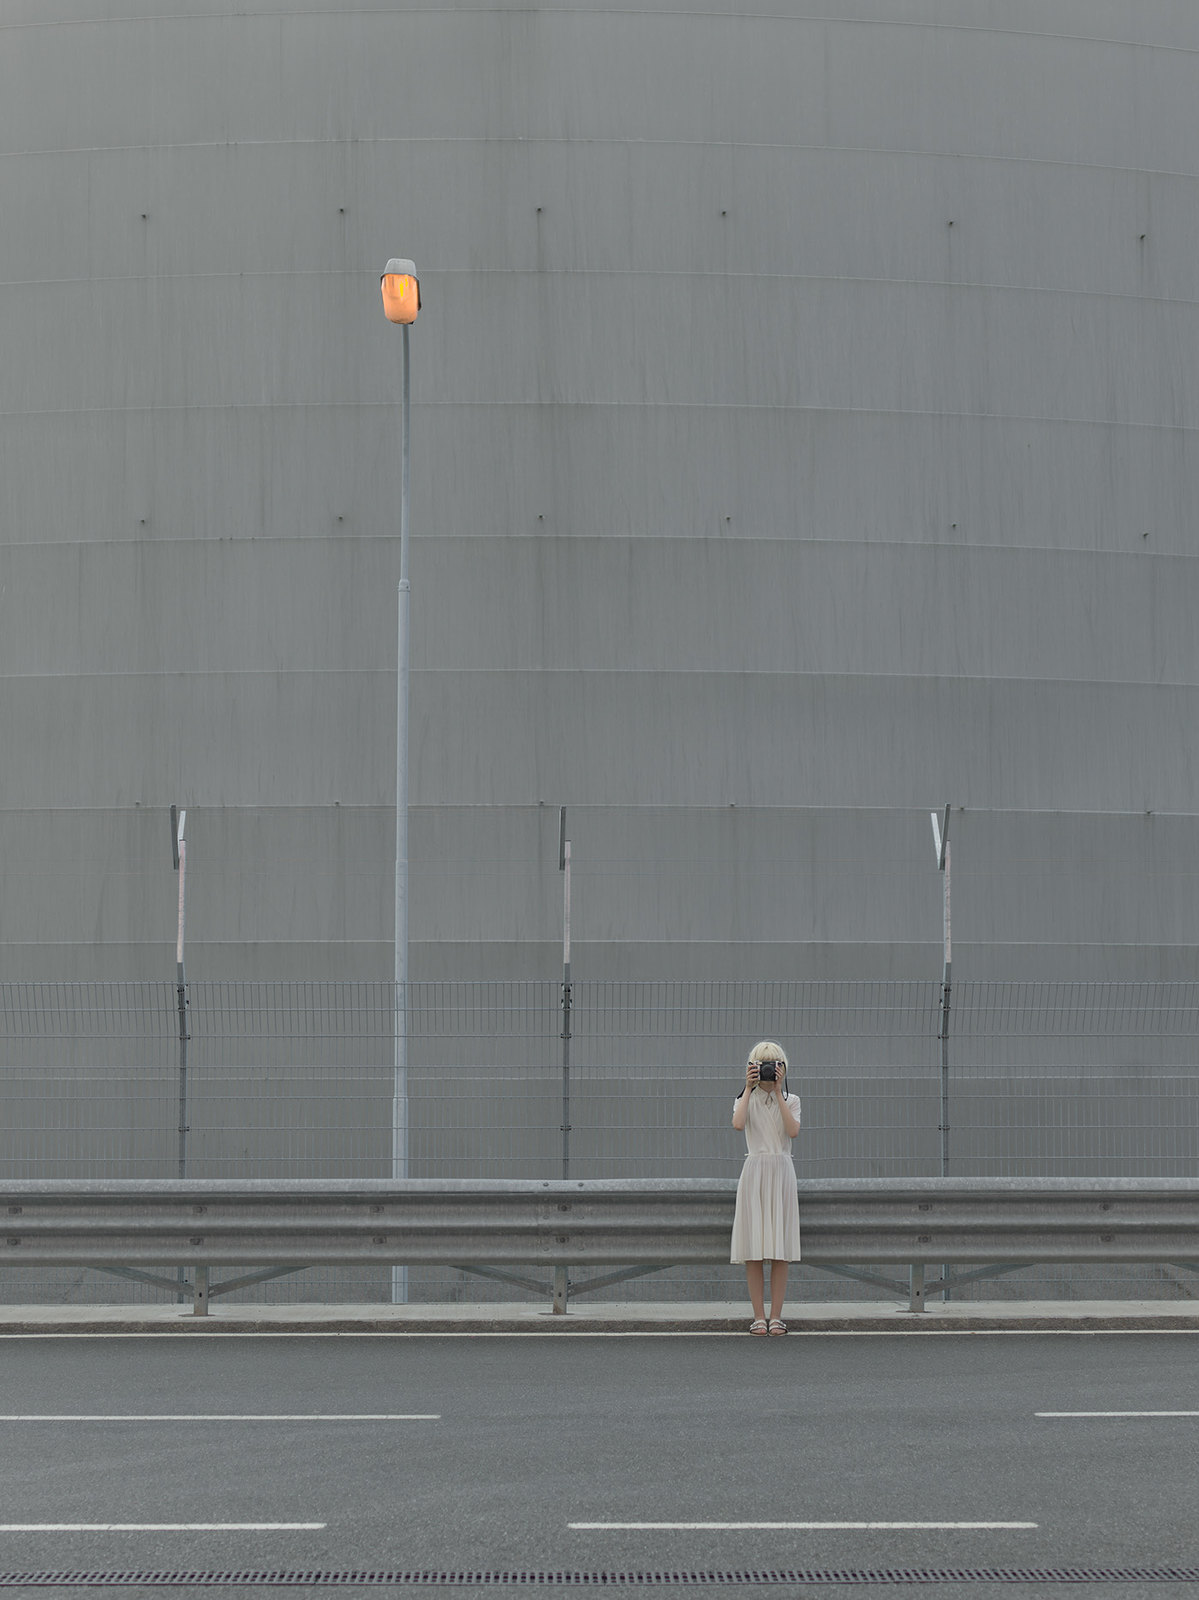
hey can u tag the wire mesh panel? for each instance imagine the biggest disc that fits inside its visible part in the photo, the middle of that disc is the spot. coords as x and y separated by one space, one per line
1075 1079
656 1068
290 1080
298 1080
484 1081
89 1084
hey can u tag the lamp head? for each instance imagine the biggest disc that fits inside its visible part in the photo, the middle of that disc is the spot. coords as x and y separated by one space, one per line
401 291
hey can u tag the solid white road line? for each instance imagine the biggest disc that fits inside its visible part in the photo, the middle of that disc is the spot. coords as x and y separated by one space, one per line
788 1527
159 1527
1118 1413
206 1416
681 1333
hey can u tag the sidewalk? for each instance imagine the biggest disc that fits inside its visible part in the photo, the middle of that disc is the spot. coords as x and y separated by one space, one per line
605 1318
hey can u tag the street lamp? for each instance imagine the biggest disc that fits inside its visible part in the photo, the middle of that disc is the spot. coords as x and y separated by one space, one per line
401 292
401 302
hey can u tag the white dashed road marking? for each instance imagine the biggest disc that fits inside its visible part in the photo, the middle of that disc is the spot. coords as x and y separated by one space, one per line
205 1416
160 1527
788 1527
1118 1413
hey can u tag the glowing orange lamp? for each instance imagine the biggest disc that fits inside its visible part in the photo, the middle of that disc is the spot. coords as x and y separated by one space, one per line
401 292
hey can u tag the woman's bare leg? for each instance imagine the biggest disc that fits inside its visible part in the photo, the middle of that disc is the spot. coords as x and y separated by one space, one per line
756 1279
778 1288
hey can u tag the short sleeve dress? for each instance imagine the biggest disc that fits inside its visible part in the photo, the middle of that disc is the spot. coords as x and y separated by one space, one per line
766 1221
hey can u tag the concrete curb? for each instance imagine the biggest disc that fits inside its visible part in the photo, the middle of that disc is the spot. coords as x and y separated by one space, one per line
875 1318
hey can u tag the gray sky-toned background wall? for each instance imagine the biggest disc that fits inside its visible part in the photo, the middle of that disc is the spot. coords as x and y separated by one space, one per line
805 436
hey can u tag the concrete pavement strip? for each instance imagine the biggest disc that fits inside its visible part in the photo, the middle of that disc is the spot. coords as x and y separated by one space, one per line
626 1317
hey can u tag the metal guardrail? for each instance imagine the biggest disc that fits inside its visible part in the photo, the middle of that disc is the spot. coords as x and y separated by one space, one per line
275 1227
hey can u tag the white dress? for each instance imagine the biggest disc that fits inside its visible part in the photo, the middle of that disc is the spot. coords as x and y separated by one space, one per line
766 1221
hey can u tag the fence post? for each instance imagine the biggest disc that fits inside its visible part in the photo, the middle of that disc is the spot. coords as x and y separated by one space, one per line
946 985
941 837
564 868
179 850
200 1296
178 823
561 1280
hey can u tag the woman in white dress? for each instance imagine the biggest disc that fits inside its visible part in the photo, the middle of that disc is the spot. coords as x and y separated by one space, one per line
766 1221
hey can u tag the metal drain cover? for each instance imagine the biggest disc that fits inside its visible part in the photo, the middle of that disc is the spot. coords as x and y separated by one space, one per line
663 1578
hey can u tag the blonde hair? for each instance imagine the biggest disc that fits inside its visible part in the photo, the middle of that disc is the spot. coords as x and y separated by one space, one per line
767 1050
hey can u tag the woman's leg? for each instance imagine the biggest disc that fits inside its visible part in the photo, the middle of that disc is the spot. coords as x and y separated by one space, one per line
755 1277
778 1288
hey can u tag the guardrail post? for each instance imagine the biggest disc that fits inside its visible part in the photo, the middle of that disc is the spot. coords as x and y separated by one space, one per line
200 1294
561 1290
916 1287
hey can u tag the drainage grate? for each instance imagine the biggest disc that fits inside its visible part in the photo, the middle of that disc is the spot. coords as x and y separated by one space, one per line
664 1578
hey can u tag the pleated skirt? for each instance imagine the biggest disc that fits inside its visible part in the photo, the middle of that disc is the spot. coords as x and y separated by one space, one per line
766 1221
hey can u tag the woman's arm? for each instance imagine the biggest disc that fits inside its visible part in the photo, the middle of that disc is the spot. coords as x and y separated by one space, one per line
790 1120
741 1109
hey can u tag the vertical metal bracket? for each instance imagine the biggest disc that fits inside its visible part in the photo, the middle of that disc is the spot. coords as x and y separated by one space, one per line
561 1290
200 1293
916 1287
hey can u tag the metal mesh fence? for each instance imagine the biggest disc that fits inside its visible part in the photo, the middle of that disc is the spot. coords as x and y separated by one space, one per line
86 1082
297 1080
1075 1079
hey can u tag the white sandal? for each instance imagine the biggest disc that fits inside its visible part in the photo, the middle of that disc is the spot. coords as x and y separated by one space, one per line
777 1326
758 1327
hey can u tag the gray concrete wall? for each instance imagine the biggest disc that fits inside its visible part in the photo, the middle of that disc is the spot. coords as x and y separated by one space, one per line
805 436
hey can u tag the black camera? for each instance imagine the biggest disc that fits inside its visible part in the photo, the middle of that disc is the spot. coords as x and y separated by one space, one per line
768 1071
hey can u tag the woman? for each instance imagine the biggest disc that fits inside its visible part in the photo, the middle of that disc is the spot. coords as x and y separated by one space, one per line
766 1221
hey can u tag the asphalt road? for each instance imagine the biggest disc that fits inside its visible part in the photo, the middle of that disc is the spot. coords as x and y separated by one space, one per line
482 1453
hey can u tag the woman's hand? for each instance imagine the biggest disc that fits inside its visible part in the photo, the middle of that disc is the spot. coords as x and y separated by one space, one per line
751 1076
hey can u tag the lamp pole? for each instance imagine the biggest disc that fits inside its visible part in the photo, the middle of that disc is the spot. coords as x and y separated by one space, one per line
401 302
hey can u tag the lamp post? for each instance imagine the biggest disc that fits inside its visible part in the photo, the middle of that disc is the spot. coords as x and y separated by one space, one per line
401 302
